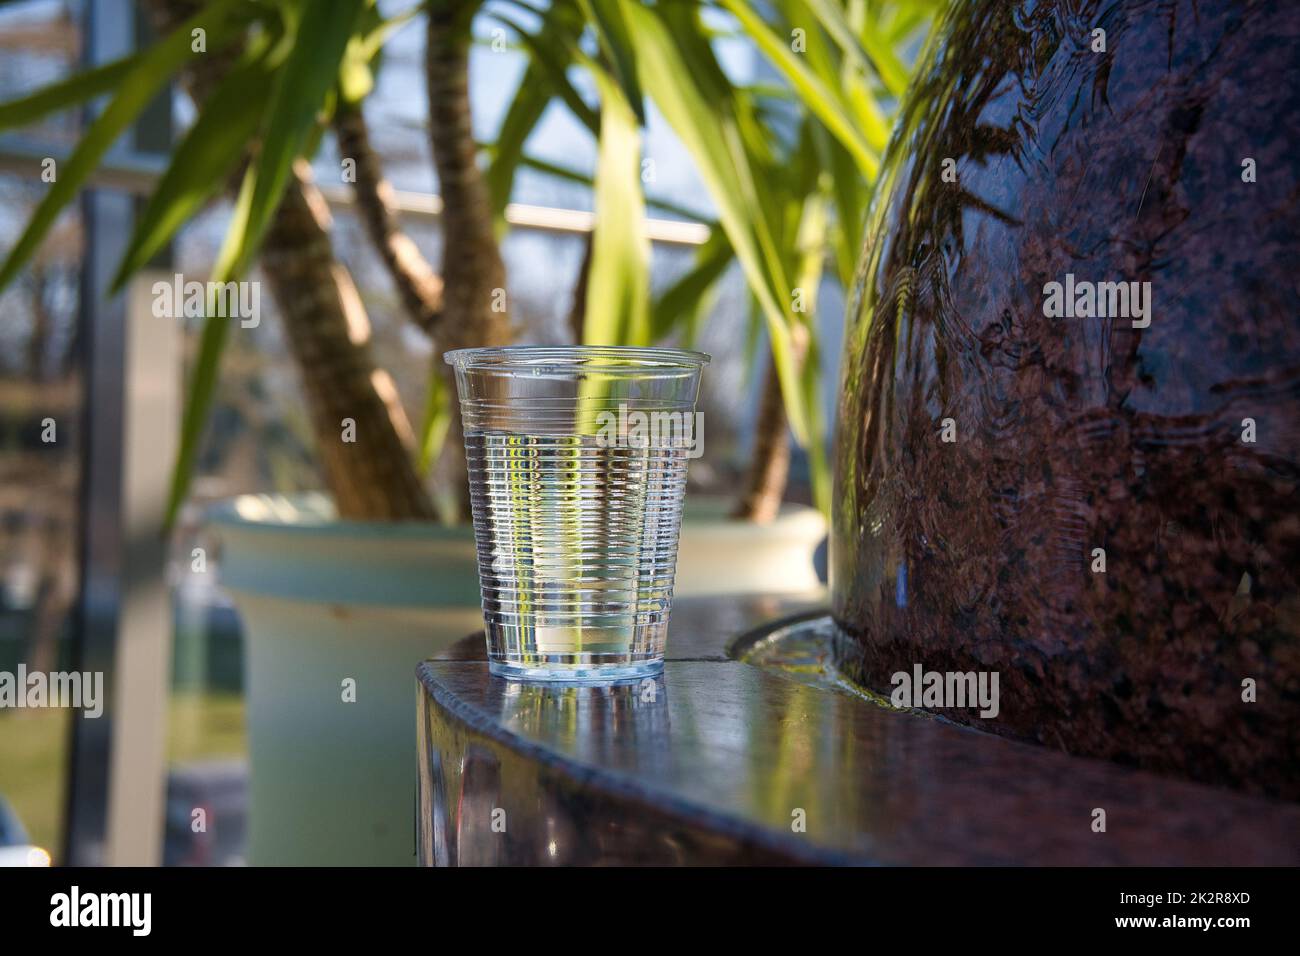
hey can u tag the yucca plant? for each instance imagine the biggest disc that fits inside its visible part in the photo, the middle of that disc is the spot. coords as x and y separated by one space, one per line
788 166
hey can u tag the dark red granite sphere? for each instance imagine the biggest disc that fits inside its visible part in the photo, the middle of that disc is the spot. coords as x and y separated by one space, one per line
1068 445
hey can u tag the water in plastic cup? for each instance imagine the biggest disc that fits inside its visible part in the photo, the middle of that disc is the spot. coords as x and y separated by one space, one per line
577 468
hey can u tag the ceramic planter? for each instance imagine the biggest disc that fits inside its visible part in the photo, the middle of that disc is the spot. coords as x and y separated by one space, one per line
325 602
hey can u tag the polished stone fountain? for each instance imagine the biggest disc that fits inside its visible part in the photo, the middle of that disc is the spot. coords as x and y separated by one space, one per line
1069 428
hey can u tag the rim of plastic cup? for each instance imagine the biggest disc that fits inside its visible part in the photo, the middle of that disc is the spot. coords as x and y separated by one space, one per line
604 358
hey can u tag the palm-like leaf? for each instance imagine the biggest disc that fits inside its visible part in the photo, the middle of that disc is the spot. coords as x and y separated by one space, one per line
297 96
76 89
816 94
559 33
205 158
681 304
611 27
709 132
553 52
618 287
137 84
317 41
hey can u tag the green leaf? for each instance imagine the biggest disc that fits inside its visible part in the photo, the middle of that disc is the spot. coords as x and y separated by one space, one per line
818 462
570 175
679 304
561 27
136 87
300 90
301 87
908 18
888 66
356 79
212 342
695 41
436 423
850 73
616 44
754 159
699 117
553 60
204 159
851 196
525 110
618 285
75 89
377 32
872 54
810 248
363 55
816 94
753 329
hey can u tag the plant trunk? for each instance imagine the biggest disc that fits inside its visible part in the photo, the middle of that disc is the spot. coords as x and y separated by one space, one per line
373 477
578 308
418 285
769 468
475 310
368 467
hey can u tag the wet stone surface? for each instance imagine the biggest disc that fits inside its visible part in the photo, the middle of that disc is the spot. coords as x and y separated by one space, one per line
774 758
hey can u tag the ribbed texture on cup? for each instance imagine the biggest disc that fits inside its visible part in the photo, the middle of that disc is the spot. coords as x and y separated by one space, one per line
577 543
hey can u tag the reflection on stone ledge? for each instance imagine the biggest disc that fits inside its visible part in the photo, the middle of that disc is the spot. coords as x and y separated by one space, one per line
718 761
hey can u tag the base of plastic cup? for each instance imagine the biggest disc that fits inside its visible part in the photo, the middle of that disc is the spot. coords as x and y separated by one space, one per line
577 673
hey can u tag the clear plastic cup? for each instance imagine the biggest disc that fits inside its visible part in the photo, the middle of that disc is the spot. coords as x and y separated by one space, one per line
577 468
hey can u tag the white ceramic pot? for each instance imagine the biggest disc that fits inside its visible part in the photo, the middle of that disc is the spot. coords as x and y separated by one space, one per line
718 556
325 602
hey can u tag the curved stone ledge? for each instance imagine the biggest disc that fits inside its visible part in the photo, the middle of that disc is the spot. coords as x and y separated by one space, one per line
718 761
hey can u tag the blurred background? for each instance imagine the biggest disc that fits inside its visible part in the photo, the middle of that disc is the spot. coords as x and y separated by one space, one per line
67 594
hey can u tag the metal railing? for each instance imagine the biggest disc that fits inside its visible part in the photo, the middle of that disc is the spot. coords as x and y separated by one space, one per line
138 173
